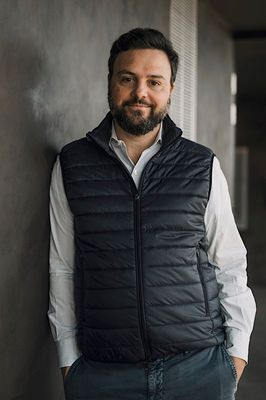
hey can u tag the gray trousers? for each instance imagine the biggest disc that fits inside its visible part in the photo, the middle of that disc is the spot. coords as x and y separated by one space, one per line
208 374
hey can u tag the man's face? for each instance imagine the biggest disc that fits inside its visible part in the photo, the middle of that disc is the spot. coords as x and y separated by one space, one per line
139 90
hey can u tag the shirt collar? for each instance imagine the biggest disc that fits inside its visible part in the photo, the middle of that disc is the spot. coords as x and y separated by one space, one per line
117 142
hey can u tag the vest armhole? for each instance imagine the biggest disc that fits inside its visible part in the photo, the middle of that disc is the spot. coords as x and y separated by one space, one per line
210 180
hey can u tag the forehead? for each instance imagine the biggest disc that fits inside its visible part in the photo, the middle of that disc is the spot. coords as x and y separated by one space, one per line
143 61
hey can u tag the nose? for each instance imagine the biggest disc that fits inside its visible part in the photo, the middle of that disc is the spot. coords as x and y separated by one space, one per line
140 89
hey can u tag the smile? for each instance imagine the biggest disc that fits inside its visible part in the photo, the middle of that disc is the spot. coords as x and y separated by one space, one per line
138 106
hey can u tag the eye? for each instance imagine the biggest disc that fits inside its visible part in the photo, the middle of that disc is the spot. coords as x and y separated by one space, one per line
155 83
127 80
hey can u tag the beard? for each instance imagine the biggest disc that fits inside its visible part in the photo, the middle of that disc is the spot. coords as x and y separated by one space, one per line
134 122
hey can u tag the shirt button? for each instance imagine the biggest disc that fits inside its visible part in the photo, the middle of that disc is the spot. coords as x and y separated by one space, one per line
135 172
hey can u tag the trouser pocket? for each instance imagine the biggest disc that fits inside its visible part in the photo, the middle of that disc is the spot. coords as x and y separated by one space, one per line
71 370
230 362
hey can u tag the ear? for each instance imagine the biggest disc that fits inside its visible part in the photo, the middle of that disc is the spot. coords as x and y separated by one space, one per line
172 87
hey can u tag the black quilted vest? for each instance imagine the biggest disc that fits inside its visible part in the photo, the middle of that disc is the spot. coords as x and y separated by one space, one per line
143 285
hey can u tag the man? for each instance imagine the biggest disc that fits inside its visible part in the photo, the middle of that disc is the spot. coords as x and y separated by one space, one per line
148 295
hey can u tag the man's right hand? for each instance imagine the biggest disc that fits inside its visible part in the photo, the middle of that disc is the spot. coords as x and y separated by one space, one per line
64 371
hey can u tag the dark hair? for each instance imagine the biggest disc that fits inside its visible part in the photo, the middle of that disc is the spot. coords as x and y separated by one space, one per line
143 38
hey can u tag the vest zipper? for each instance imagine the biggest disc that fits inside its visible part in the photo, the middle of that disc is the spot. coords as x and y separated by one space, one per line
139 278
203 284
139 269
137 233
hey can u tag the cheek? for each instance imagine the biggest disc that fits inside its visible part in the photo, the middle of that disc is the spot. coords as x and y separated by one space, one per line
164 98
119 94
159 101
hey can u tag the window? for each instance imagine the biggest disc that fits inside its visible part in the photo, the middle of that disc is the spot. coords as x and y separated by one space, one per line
183 34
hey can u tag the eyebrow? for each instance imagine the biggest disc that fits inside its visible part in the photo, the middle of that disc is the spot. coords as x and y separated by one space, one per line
124 71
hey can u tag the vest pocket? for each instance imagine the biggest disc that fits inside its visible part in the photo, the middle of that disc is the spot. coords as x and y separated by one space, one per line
203 284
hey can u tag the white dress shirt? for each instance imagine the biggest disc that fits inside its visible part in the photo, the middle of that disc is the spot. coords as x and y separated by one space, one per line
225 250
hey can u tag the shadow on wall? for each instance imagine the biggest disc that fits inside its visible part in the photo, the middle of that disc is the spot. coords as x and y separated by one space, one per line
27 157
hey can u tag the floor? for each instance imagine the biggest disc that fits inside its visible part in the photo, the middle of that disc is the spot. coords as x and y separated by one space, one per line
253 383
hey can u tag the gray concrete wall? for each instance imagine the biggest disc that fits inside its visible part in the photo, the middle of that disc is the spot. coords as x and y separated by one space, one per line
53 67
215 64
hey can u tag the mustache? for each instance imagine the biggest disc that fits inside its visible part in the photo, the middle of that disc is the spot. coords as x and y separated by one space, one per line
137 101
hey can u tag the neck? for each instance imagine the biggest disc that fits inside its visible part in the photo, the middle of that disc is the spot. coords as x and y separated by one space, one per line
136 144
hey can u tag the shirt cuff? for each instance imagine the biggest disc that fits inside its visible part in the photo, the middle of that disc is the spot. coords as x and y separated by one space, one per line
67 351
237 344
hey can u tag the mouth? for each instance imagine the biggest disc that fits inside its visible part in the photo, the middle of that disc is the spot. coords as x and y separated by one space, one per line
138 106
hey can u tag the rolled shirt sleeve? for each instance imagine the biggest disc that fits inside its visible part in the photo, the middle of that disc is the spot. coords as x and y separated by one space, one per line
61 311
227 253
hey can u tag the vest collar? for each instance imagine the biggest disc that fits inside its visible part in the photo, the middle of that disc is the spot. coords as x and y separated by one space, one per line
102 133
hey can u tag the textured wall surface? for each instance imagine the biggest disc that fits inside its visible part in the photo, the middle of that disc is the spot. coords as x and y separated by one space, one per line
53 66
215 64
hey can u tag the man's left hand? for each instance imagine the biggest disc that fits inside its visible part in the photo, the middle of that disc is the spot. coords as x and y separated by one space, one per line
239 364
